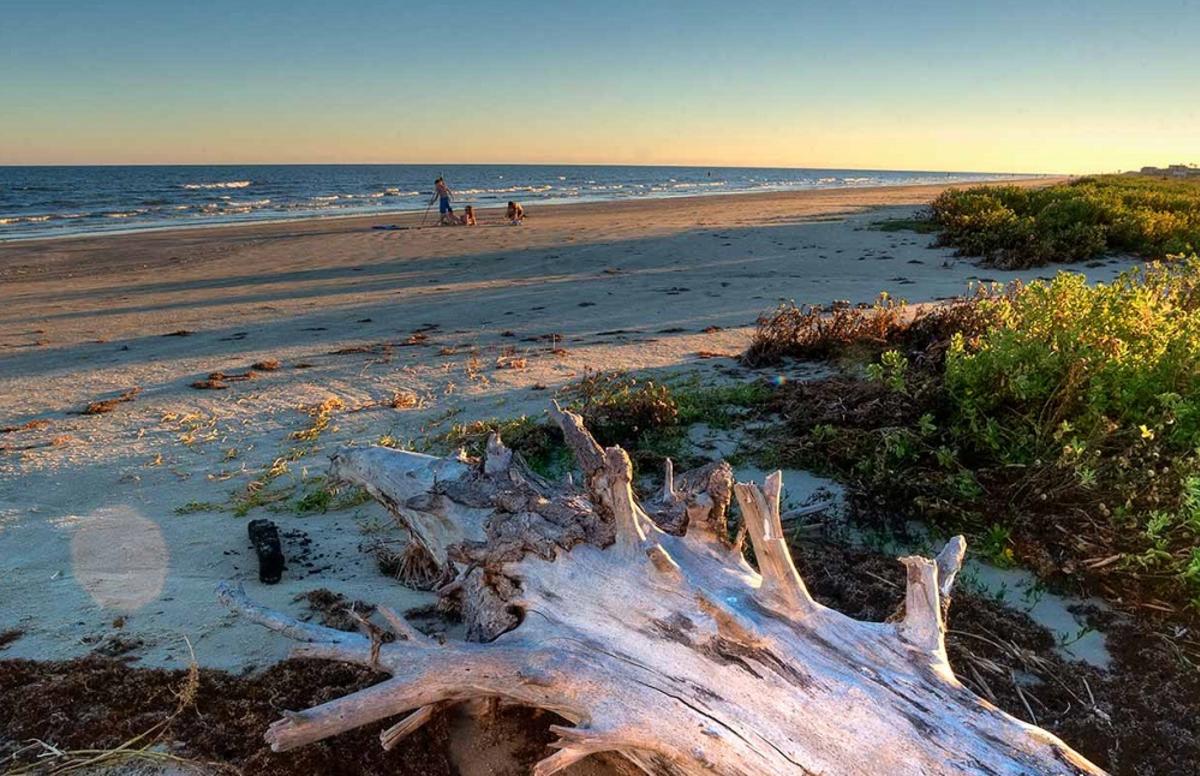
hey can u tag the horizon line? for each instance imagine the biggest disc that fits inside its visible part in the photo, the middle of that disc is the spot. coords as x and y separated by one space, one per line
519 164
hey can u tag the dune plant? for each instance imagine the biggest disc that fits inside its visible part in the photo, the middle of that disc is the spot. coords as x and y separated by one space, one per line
1094 392
1016 227
1066 416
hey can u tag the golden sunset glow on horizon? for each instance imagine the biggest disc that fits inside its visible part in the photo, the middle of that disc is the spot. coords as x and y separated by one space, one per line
779 85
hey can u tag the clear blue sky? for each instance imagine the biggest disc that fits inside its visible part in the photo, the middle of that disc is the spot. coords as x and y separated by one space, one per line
1023 85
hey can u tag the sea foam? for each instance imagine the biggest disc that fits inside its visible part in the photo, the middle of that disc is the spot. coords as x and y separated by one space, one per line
218 185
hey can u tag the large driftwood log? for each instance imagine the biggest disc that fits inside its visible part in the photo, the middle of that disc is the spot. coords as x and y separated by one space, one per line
644 627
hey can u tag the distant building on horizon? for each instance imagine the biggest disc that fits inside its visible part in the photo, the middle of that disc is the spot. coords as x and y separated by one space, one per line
1174 171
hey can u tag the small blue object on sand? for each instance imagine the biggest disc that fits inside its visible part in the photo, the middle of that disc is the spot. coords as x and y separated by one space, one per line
390 227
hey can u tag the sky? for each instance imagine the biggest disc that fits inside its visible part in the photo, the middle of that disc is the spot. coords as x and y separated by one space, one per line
1014 86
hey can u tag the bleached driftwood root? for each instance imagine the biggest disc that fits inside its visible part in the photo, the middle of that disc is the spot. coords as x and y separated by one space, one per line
663 646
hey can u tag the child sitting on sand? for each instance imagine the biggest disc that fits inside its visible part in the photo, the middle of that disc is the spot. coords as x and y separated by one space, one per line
466 219
515 215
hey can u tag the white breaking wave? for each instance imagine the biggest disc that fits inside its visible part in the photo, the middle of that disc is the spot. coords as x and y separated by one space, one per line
219 185
393 192
25 220
508 190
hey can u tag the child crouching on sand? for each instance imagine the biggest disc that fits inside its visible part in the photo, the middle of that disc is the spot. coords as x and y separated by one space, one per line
515 215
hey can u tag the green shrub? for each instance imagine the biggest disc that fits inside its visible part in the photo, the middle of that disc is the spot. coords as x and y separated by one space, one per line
1107 360
1093 393
1069 422
617 408
647 418
540 443
1021 227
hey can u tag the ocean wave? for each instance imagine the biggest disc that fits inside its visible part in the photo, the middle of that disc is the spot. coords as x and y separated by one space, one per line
392 191
25 219
224 203
509 190
218 185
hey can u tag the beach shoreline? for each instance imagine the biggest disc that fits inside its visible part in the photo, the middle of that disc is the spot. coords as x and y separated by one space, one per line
407 216
51 203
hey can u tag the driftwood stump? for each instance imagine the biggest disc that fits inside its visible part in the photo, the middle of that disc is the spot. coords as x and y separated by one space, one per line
643 625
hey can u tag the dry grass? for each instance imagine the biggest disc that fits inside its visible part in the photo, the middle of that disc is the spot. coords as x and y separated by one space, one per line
412 565
219 381
32 425
404 400
322 415
108 405
379 348
814 332
9 636
508 359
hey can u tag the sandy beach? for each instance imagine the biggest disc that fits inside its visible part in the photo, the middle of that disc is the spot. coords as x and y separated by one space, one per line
603 390
111 525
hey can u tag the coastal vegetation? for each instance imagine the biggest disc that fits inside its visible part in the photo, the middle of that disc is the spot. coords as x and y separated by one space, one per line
1058 421
649 419
1014 227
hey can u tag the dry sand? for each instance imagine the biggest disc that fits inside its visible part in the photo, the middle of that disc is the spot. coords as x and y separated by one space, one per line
90 537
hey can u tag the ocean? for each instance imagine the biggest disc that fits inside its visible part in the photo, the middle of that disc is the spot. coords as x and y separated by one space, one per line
38 202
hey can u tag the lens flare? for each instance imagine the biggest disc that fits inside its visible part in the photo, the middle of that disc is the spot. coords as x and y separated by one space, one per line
120 558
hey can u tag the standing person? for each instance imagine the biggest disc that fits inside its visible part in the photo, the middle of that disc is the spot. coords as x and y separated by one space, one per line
442 193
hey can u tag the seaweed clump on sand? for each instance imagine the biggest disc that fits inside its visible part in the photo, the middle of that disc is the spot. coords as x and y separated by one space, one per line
96 703
1139 717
